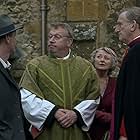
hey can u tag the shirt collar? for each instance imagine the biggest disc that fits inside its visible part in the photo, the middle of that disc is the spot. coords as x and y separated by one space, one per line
5 64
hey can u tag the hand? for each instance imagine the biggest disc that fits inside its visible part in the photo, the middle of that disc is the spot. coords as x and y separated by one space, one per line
68 119
122 138
59 113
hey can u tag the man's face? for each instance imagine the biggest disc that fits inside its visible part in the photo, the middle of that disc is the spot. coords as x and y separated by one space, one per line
123 28
59 42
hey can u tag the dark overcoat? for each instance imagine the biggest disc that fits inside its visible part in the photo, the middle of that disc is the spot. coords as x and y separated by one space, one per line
11 116
127 95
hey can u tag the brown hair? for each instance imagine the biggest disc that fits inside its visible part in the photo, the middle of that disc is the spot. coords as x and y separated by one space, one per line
65 26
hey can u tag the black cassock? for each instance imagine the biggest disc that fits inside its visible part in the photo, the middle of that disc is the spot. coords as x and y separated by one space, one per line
127 97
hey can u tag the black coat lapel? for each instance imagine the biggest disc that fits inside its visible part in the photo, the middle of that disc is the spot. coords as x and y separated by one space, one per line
8 75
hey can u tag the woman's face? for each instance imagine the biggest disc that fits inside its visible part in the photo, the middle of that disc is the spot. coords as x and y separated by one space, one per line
103 60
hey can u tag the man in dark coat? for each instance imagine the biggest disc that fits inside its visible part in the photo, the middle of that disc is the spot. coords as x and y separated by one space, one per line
11 114
127 97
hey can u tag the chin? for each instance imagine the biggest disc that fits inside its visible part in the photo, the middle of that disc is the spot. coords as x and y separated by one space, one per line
52 52
123 40
102 69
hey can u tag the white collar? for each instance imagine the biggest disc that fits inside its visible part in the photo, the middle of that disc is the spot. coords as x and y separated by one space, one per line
5 64
136 37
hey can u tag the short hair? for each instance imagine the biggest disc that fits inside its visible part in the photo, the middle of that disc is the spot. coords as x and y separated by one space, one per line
65 26
132 13
109 51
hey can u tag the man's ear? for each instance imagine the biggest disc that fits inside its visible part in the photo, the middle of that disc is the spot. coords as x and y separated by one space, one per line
134 26
70 42
7 39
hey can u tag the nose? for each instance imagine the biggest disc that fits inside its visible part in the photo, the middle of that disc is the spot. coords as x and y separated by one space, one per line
102 59
51 40
116 29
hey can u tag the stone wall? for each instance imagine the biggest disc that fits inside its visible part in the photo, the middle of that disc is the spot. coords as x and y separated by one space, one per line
91 20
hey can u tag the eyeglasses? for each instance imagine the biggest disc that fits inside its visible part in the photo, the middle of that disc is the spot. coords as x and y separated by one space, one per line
56 36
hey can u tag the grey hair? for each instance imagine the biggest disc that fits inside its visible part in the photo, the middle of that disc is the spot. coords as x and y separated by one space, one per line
65 26
109 51
132 14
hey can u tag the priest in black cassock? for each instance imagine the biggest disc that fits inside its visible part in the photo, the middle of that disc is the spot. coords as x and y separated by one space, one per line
127 97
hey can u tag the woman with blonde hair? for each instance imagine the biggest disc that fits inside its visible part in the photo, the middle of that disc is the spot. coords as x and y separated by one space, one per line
105 61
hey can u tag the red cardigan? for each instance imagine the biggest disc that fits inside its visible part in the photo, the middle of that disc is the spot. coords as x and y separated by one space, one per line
103 115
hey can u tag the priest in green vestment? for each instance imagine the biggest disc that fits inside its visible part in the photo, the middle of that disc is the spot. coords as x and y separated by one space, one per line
60 92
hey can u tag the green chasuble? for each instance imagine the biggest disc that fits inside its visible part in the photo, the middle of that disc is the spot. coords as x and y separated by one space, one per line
65 83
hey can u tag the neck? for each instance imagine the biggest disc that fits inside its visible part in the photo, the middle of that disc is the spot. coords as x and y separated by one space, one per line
61 54
103 80
4 57
102 74
133 37
4 54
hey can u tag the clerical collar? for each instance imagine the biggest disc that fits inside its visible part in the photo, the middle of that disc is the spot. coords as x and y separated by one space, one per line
134 41
136 37
66 57
6 64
